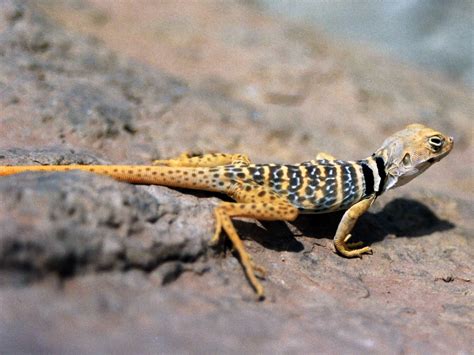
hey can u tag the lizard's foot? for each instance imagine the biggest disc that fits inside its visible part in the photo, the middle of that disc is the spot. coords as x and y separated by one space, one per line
260 271
353 245
176 162
204 160
352 250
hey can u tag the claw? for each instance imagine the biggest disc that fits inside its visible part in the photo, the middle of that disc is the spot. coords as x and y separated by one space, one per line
355 245
262 272
351 250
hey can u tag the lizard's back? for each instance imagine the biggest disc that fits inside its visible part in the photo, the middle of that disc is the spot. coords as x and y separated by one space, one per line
313 187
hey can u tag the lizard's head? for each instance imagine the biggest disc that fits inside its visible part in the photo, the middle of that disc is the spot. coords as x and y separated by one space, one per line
411 151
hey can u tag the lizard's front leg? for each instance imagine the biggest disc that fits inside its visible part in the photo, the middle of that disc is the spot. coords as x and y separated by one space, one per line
345 226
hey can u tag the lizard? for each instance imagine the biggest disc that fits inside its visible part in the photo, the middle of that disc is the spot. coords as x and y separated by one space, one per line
281 192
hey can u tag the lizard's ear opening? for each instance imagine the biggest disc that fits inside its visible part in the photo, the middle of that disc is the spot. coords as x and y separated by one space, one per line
407 159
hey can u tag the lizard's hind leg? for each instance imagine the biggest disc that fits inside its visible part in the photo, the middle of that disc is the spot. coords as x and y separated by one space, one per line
205 160
257 202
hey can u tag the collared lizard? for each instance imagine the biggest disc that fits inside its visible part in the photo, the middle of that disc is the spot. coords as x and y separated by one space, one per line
281 192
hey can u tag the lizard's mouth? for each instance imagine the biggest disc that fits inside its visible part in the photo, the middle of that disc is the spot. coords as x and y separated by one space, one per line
438 158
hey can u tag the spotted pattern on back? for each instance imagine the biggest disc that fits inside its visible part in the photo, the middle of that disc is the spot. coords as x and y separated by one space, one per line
324 186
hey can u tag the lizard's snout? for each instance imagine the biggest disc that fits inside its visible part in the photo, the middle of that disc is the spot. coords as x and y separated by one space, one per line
450 142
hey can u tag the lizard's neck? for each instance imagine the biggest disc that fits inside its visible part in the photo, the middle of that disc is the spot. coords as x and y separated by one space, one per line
386 158
375 174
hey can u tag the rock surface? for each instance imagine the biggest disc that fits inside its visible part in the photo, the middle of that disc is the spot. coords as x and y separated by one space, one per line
91 265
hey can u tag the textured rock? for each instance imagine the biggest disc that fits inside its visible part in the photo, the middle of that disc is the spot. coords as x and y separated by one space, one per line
78 222
63 89
91 265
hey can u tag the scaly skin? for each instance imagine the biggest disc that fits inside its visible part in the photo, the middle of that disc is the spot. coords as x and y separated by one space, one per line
281 192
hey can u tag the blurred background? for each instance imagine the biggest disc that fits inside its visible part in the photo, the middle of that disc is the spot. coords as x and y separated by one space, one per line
270 74
429 33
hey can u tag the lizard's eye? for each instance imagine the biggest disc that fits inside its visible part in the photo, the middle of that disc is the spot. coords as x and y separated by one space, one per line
406 159
435 142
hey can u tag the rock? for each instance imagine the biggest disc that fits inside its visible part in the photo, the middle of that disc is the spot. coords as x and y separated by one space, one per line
92 265
73 223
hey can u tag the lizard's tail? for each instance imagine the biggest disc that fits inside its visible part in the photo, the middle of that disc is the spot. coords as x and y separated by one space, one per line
183 177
